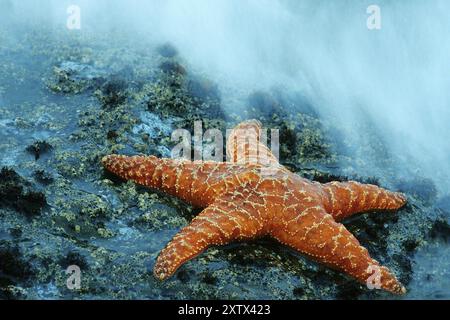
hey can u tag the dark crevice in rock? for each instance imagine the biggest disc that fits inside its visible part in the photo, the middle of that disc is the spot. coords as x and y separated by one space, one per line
17 193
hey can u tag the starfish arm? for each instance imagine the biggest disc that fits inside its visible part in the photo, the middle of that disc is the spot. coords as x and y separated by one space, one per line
222 222
244 145
343 199
315 233
197 183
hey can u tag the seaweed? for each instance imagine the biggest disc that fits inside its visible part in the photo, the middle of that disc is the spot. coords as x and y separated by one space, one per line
17 193
14 270
172 68
43 177
39 148
113 92
74 258
440 230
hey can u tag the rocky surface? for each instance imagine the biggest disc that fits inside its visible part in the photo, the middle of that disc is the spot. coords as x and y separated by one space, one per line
66 101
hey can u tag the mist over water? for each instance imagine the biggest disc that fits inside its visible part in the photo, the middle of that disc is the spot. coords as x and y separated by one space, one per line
396 78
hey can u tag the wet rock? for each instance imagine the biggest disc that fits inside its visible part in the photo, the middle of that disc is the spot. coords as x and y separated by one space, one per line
152 135
16 233
17 193
210 279
369 229
14 272
183 276
440 230
112 135
126 73
12 263
288 141
191 98
31 203
304 138
204 89
113 93
404 264
350 291
159 218
38 148
74 258
410 245
313 145
422 188
84 217
167 50
172 67
298 292
325 177
74 78
431 272
302 141
43 177
268 103
153 126
443 204
9 127
265 103
368 180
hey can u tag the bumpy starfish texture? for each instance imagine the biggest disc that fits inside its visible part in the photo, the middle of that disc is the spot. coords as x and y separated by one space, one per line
252 195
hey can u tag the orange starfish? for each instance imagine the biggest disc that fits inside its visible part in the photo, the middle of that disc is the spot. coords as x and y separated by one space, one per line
252 196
